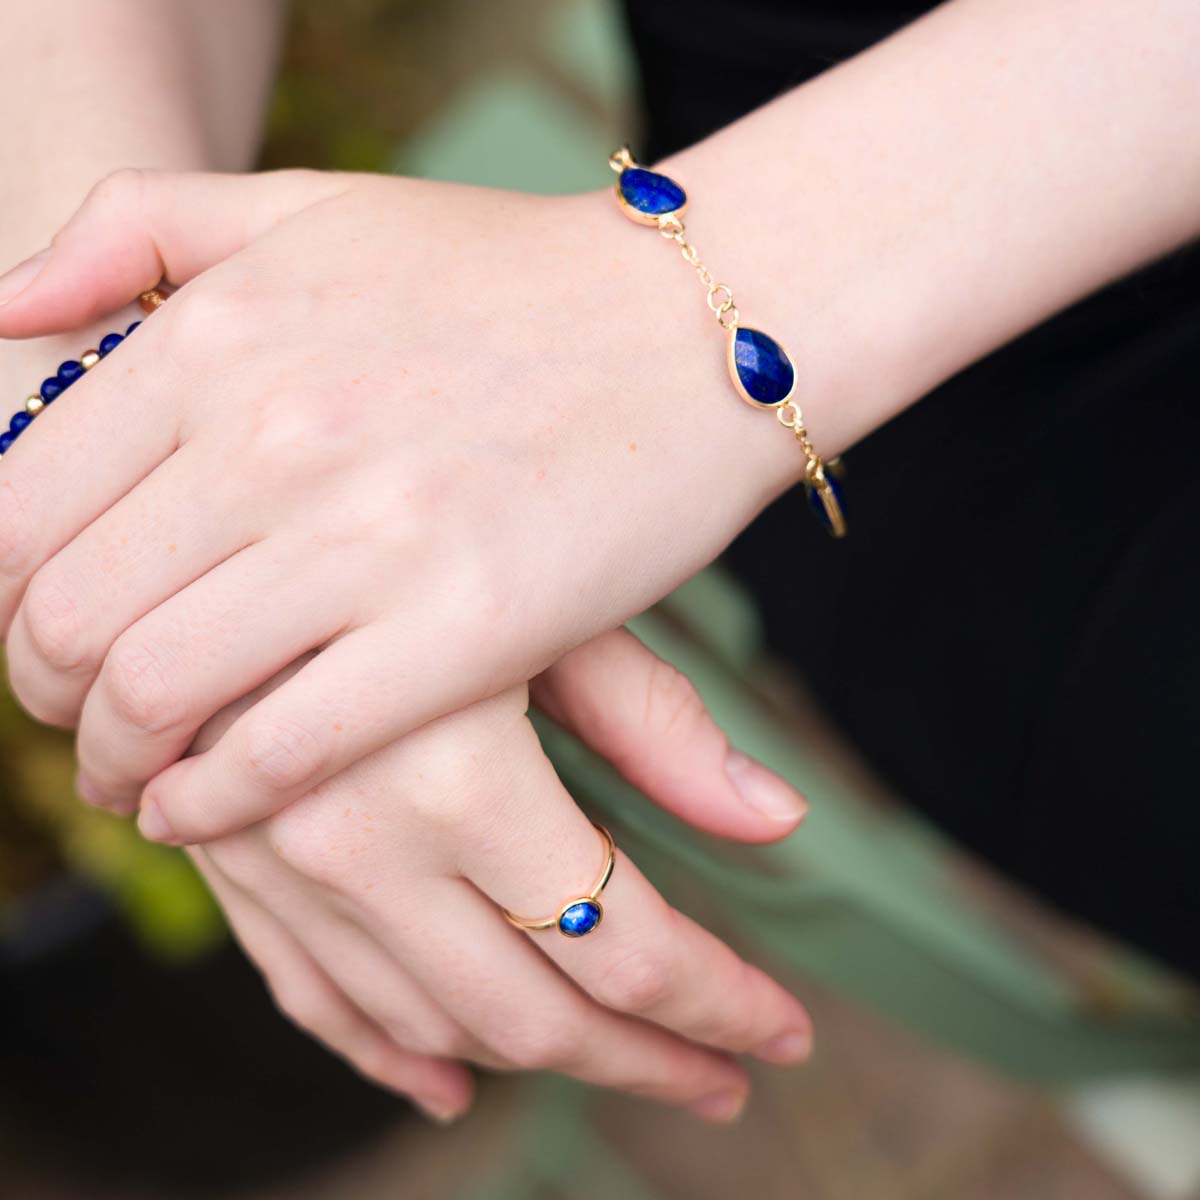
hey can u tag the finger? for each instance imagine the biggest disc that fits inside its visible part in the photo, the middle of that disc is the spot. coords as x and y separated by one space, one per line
137 228
364 970
649 721
54 482
498 987
200 650
172 528
305 993
312 727
645 959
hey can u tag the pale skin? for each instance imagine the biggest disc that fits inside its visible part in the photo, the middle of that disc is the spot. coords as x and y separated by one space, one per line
376 393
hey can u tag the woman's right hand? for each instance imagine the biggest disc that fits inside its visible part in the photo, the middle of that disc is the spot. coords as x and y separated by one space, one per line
373 905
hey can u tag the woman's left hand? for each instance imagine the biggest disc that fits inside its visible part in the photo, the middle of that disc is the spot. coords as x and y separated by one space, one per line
438 434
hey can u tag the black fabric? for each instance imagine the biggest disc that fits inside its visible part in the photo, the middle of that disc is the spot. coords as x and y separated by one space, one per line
1010 633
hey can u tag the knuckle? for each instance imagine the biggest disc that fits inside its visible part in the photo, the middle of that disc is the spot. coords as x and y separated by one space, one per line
733 1019
202 325
443 1042
120 189
306 838
57 632
373 1058
305 1007
140 690
673 707
548 1045
239 859
282 756
637 982
301 428
16 540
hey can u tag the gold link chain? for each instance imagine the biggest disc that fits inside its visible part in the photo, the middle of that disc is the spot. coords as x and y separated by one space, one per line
720 295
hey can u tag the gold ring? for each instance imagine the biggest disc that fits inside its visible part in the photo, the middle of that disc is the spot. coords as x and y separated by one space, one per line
581 914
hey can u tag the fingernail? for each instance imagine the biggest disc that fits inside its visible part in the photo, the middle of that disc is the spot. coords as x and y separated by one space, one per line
21 276
153 824
721 1106
790 1047
439 1113
763 790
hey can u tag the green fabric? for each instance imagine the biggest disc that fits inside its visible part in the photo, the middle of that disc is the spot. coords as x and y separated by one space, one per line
863 901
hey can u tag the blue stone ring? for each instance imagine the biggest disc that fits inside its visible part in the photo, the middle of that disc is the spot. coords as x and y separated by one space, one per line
581 914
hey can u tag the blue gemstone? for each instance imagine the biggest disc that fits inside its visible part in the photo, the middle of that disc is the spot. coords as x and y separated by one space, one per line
69 371
650 193
582 917
20 421
132 328
6 440
817 505
109 343
52 388
763 368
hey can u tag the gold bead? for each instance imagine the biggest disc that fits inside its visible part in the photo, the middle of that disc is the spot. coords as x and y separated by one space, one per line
34 405
88 359
154 298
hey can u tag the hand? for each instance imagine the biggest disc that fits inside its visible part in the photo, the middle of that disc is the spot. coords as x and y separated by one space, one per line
371 906
417 428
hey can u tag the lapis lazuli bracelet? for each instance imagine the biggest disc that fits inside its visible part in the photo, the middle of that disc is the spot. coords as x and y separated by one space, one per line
71 371
760 368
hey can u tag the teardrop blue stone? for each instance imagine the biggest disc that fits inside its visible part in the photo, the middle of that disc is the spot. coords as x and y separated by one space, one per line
582 917
650 193
763 368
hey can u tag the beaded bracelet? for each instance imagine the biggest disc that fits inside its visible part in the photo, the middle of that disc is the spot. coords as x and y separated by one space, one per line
72 370
760 368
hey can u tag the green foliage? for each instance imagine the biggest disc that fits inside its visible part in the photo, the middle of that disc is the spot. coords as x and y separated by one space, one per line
45 830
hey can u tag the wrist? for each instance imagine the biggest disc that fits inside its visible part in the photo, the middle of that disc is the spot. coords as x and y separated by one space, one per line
669 355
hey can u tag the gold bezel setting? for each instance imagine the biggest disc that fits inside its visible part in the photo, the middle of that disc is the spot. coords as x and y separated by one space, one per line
739 387
562 912
817 481
636 214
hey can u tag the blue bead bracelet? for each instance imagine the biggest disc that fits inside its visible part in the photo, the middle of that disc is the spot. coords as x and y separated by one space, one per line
71 372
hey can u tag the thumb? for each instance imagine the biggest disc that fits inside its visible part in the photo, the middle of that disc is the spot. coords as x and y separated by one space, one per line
649 721
137 228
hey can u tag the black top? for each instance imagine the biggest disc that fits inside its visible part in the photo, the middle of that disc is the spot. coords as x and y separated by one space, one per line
1012 634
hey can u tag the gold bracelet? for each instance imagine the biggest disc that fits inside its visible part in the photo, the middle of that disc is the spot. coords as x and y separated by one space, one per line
760 368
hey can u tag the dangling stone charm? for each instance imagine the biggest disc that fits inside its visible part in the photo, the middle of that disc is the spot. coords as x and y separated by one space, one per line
824 495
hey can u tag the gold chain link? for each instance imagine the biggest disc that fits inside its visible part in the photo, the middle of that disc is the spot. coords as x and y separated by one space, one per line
720 295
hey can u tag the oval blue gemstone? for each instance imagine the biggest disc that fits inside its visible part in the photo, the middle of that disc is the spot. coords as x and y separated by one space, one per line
6 440
20 421
582 917
817 504
69 371
52 388
109 343
763 368
650 193
132 328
